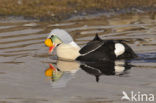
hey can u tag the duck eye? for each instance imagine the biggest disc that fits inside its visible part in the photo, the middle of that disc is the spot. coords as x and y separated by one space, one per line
52 36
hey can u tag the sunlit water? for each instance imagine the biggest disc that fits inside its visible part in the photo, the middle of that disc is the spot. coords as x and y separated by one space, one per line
24 60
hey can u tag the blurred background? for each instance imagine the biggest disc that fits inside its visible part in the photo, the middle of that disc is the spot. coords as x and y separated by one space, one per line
62 9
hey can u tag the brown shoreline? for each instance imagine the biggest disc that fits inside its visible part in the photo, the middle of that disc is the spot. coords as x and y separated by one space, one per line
55 10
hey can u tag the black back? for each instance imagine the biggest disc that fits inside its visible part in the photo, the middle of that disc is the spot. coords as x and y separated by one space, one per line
104 52
101 50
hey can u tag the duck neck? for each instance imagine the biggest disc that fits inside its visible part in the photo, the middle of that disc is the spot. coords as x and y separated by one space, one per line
74 44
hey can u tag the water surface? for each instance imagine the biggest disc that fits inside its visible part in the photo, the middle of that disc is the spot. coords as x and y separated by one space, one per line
24 60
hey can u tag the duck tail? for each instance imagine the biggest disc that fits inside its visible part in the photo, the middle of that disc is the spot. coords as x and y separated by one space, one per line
97 37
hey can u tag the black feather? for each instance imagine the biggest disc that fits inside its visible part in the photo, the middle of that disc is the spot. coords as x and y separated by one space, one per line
100 50
104 52
97 38
91 46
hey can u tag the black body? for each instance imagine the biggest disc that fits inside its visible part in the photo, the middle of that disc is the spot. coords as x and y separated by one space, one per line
102 50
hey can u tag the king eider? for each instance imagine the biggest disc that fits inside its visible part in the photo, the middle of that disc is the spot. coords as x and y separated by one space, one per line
95 50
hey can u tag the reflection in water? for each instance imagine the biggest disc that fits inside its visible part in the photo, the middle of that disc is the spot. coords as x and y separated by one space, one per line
105 68
146 57
64 71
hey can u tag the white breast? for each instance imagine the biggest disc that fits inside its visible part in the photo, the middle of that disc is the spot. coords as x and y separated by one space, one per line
67 51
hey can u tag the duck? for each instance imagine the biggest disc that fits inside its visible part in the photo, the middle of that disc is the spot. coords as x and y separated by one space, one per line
95 50
65 70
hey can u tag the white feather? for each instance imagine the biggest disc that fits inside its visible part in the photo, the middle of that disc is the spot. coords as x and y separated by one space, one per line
119 49
67 52
74 44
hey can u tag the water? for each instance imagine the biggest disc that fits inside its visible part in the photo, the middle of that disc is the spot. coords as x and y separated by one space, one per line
24 60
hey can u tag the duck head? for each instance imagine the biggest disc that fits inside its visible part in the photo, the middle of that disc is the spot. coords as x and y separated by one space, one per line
52 42
56 37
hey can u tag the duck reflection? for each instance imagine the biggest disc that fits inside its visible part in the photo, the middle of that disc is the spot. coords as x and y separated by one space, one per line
63 71
105 68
